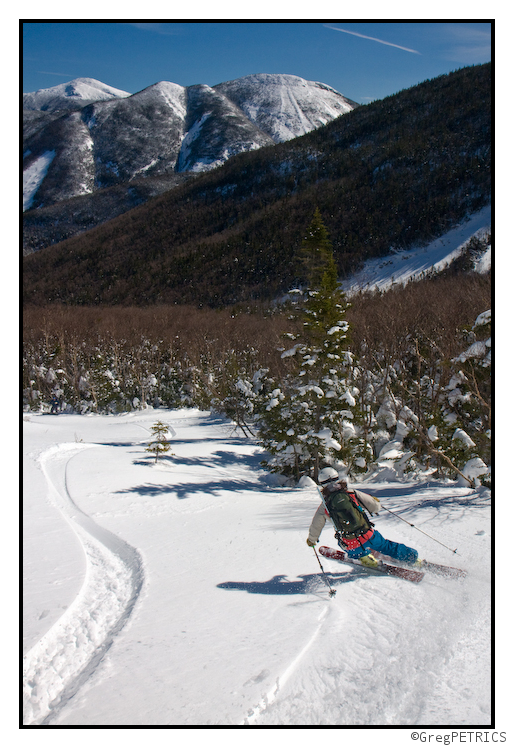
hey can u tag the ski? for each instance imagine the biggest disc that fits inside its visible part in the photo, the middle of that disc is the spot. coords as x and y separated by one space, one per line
412 575
444 571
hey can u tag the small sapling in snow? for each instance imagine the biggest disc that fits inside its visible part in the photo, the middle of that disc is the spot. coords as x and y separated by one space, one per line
159 445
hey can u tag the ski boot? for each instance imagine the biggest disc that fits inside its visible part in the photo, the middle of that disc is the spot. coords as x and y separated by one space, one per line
369 561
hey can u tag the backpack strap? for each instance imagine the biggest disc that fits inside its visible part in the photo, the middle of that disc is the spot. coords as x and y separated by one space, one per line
360 507
349 543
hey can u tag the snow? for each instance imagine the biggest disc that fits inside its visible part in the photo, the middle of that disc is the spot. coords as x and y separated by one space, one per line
285 106
175 97
476 350
475 468
461 435
80 90
326 436
483 319
33 175
182 592
188 139
402 267
483 265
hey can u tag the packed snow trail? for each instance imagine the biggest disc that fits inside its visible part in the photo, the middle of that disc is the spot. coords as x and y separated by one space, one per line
64 658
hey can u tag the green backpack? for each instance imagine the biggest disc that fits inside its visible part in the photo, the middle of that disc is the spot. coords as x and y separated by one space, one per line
347 515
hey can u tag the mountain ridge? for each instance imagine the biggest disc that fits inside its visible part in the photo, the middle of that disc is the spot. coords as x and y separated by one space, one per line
394 174
162 129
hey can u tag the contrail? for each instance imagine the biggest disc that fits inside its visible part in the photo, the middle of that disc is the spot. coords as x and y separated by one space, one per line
62 75
373 39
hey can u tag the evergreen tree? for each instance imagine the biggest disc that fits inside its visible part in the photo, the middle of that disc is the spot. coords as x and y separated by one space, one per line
316 250
159 445
441 408
100 384
300 420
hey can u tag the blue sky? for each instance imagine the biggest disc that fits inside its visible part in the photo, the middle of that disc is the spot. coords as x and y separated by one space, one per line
363 61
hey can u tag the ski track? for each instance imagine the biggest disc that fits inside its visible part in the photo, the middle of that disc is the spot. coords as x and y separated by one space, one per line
67 655
269 698
359 665
377 658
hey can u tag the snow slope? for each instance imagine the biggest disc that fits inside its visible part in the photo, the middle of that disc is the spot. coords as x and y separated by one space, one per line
183 593
286 106
405 266
75 93
34 175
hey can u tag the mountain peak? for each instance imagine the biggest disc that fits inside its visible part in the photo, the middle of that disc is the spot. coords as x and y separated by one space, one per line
285 106
77 92
276 79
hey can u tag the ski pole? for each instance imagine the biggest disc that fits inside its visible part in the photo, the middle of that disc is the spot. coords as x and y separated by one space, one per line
332 591
418 529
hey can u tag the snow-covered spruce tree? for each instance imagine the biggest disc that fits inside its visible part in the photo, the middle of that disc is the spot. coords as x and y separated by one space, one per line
467 403
43 373
303 419
159 445
369 387
230 389
281 420
99 386
440 407
475 365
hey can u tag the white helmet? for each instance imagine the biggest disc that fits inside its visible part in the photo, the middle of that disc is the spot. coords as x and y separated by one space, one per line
327 475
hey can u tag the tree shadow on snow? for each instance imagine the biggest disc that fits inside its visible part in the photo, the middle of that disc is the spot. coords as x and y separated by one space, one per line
453 501
222 459
279 585
419 498
426 508
184 490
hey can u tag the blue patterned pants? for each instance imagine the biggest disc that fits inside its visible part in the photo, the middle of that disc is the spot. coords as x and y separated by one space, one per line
378 543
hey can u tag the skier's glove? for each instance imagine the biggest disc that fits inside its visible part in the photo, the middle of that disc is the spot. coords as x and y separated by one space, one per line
310 543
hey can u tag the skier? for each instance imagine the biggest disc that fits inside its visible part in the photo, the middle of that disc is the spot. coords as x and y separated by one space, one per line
355 533
54 402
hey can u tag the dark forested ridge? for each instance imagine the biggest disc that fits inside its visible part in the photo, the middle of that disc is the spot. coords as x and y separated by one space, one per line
388 175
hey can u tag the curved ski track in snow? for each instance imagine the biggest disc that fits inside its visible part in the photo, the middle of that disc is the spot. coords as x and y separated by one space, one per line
270 697
67 655
424 674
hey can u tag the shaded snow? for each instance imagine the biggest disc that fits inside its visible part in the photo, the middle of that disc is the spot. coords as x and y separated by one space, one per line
33 175
187 141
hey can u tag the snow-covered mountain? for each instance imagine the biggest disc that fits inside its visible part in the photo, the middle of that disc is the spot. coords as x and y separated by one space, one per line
75 93
113 137
286 106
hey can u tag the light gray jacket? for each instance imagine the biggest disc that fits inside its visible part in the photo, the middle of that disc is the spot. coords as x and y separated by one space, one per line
370 503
